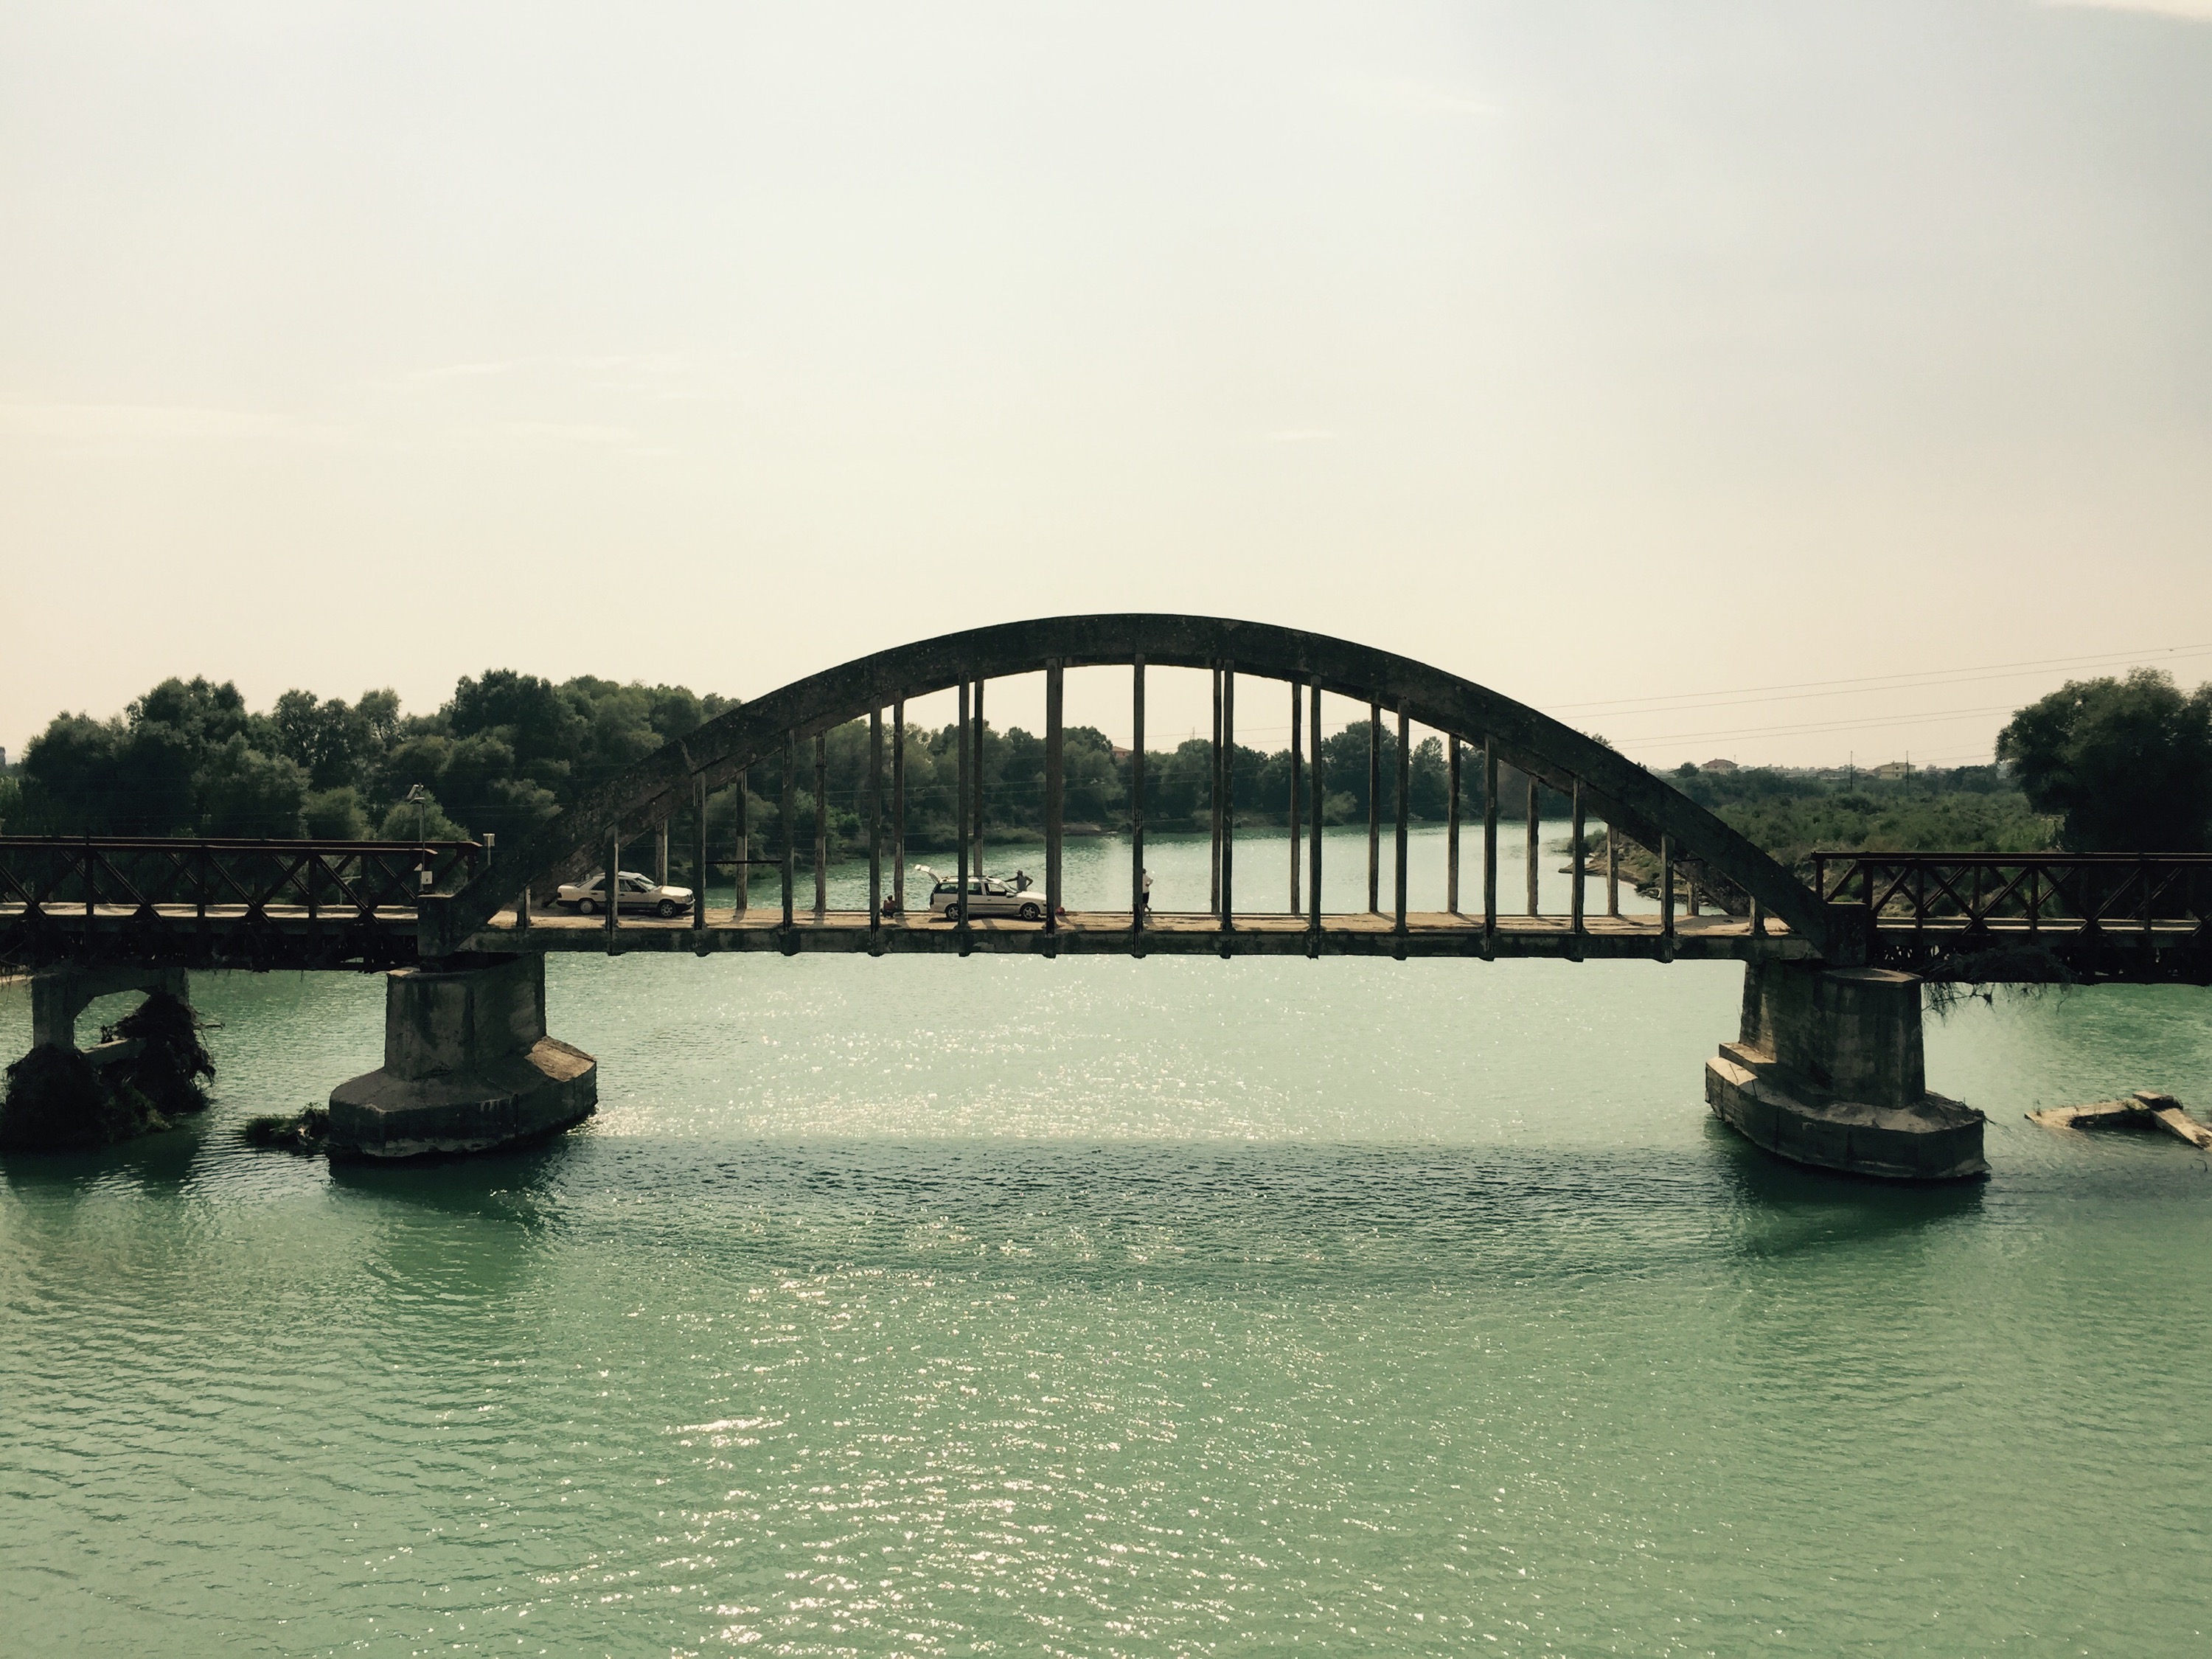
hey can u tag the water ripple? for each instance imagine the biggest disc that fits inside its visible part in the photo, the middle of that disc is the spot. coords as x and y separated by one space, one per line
1099 1309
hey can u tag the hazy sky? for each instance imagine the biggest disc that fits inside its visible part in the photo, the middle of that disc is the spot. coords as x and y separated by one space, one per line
1599 352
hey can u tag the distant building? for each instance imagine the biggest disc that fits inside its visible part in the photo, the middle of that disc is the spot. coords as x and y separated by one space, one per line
1718 765
1893 769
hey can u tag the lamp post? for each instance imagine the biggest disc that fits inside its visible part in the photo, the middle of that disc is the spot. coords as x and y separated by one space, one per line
416 794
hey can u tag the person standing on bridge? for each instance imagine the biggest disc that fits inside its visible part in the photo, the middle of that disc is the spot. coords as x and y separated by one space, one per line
1148 893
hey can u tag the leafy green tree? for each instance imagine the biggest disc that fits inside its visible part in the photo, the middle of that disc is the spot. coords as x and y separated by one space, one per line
158 788
109 778
208 715
1179 784
531 715
1096 785
1344 762
506 753
1430 794
247 793
2125 763
70 775
329 740
417 757
617 725
335 815
426 820
379 712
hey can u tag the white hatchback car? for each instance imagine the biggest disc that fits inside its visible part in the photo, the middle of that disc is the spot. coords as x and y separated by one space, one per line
635 892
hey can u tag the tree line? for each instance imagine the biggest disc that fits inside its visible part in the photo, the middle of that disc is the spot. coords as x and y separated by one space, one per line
508 751
503 754
2119 764
2114 764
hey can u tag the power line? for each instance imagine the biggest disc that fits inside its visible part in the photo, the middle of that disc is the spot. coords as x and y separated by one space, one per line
1876 723
1865 690
1901 682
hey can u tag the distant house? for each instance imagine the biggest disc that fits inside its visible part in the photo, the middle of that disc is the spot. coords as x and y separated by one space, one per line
1718 765
1120 753
1893 769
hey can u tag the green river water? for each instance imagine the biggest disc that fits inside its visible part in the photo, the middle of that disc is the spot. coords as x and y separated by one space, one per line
922 1306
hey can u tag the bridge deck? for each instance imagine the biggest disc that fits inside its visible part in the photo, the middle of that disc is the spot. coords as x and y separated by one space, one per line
1165 933
278 935
1709 938
1712 936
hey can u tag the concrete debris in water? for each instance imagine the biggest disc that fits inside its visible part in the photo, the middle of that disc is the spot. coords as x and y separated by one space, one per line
2145 1109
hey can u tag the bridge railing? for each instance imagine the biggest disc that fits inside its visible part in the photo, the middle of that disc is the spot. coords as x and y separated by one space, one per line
171 877
2023 892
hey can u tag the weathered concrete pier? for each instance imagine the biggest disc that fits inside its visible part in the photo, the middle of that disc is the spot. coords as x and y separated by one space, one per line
467 1067
1827 1070
143 1075
60 995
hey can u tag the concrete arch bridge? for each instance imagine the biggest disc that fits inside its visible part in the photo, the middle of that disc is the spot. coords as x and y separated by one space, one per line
1826 1068
784 733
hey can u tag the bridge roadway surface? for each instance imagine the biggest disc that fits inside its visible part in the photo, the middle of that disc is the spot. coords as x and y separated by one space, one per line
1107 932
286 936
1710 937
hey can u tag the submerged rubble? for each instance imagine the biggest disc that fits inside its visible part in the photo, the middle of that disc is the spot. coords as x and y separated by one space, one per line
2146 1108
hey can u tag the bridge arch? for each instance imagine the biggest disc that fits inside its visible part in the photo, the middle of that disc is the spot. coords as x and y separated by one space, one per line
1644 807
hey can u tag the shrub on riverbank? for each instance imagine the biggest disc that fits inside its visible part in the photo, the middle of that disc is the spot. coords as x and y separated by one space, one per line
304 1132
168 1068
57 1101
1789 815
1791 830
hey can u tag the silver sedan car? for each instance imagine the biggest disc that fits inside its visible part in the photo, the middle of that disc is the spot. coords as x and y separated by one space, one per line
633 891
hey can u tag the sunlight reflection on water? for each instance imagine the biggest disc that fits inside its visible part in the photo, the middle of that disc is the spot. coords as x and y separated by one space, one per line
1096 1307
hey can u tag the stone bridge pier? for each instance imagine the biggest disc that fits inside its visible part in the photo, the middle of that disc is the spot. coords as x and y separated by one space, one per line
60 995
467 1066
1827 1070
